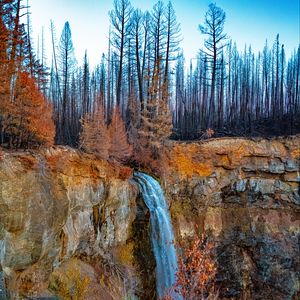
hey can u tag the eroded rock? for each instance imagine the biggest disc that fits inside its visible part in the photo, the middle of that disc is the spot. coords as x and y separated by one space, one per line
48 202
251 209
61 210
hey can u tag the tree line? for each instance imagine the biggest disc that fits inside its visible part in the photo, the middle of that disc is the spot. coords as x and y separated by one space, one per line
144 74
142 81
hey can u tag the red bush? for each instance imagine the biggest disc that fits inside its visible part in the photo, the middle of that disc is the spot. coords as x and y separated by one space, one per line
196 272
125 173
1 154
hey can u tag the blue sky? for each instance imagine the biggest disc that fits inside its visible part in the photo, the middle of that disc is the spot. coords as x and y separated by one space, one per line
247 22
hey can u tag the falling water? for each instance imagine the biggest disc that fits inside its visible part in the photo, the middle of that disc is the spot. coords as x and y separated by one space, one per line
161 234
2 287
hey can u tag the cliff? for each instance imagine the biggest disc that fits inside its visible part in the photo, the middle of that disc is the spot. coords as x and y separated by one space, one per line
70 223
59 211
246 193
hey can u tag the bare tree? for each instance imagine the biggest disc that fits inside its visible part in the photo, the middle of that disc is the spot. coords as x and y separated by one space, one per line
119 18
172 45
213 27
67 65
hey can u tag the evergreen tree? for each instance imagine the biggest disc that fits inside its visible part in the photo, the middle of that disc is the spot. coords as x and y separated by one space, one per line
120 150
29 123
95 137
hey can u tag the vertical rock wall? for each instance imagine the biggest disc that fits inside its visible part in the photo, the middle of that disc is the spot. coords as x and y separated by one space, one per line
244 193
68 220
59 205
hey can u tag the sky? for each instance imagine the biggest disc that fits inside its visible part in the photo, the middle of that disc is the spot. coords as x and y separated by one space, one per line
247 22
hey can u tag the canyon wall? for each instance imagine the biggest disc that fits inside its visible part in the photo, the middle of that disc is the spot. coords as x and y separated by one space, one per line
70 223
246 194
65 218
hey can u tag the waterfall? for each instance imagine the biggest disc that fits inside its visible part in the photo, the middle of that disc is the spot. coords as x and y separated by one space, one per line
2 287
162 236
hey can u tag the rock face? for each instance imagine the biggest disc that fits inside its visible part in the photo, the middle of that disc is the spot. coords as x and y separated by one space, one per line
72 224
58 205
246 194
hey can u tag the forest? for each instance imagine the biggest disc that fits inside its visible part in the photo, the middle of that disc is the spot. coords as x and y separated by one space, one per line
99 164
143 92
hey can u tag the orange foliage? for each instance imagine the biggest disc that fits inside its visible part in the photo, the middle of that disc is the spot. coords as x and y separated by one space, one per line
295 153
207 134
156 126
71 285
125 173
94 137
196 272
120 150
4 78
106 142
28 119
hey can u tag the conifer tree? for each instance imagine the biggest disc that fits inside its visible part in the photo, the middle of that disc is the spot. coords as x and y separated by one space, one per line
120 149
4 78
29 121
94 137
67 67
156 125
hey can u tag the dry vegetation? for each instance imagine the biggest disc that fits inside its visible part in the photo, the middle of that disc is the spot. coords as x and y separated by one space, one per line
196 272
70 285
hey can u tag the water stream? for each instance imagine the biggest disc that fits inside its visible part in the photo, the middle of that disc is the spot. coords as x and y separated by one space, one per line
162 236
2 287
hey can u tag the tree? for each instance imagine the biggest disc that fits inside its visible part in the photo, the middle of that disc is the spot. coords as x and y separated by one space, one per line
67 65
120 17
172 45
156 126
137 19
232 92
16 35
86 106
214 44
4 77
120 150
25 115
95 137
159 42
29 123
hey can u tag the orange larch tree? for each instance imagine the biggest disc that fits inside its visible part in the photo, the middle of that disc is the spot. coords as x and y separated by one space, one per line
156 119
94 137
120 149
25 115
4 74
29 120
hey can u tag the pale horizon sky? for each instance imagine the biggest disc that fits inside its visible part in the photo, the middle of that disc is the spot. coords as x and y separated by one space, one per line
247 22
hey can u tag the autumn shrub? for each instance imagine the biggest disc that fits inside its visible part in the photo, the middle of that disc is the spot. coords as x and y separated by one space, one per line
125 172
71 285
196 272
207 134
